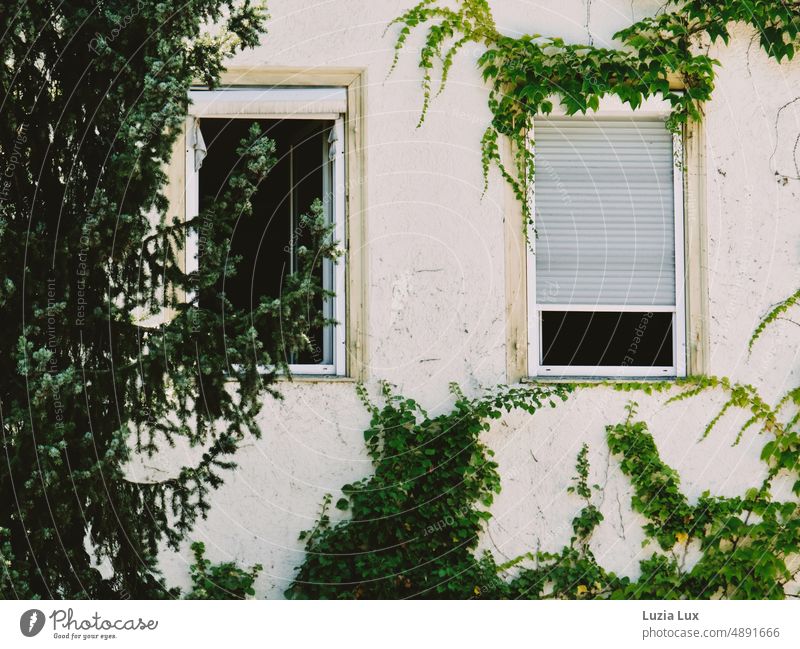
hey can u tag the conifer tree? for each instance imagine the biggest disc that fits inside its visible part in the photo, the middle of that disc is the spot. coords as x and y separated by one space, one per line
103 356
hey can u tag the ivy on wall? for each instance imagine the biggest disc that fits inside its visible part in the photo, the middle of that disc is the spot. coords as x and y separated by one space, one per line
224 580
527 74
415 523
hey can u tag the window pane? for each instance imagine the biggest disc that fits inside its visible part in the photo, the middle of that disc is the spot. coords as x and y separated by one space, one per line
606 339
266 241
604 211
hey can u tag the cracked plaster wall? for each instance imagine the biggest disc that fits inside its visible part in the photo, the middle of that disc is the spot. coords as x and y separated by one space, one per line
436 302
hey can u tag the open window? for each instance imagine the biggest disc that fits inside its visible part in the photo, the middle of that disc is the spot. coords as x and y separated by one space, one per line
307 125
606 267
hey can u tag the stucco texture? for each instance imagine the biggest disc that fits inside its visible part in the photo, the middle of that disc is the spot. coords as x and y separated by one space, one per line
436 294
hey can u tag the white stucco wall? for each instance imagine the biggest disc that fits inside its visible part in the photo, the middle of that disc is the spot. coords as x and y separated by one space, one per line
436 294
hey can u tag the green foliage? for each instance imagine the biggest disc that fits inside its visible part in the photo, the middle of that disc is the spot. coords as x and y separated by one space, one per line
746 542
104 357
220 581
775 313
471 22
657 494
92 113
740 395
414 523
574 572
590 517
12 582
528 73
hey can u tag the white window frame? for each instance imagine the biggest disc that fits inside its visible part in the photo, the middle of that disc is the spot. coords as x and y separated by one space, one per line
613 107
301 103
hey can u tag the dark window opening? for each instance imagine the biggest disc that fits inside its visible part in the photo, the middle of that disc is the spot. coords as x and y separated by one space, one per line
267 239
602 339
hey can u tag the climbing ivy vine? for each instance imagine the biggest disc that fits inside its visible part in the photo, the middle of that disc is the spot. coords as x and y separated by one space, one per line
224 580
527 74
415 523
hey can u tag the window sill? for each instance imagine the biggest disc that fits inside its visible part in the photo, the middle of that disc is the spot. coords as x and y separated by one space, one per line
594 380
314 378
307 377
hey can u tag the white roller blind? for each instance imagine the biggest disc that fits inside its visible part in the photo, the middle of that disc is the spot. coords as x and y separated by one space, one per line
604 206
316 103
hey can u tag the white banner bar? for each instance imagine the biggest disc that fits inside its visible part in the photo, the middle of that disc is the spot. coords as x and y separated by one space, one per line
400 624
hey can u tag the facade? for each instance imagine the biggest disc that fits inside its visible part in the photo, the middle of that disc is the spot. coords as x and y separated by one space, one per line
438 284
